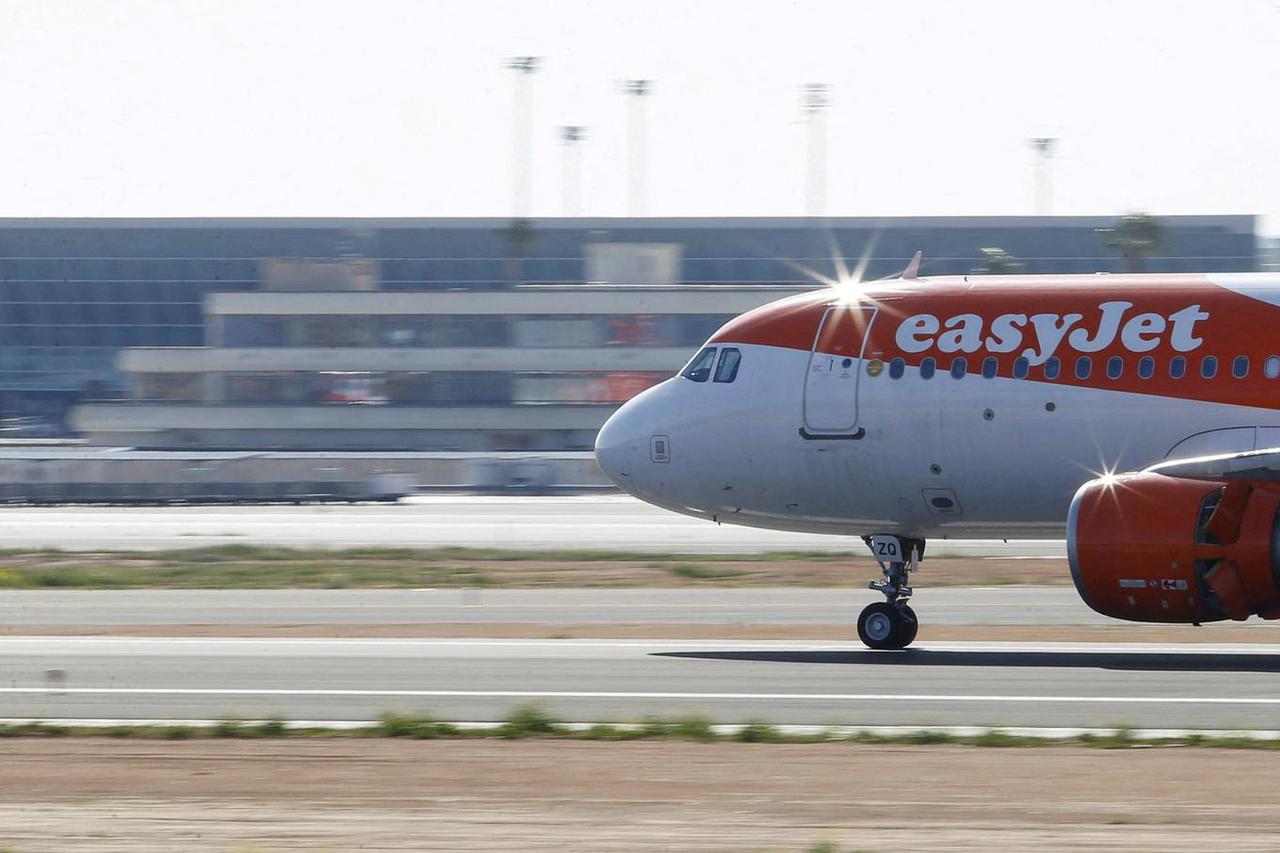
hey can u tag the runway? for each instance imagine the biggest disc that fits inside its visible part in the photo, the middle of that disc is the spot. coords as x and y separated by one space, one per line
992 684
595 522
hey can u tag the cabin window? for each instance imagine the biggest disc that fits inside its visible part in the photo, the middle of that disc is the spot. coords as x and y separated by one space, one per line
897 367
1240 367
1271 367
1178 366
699 369
1146 367
1052 368
989 368
1209 366
928 366
1115 367
1020 368
959 367
1084 367
727 369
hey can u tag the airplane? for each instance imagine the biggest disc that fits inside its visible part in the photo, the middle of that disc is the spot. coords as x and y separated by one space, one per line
1137 415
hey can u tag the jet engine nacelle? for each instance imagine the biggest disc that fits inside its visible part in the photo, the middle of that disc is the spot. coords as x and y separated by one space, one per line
1150 547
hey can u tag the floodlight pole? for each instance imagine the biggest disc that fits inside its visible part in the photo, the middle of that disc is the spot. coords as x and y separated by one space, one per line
1042 186
571 135
522 134
814 100
637 91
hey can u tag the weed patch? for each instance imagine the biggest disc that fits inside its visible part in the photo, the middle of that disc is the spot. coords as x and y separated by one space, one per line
532 720
695 571
528 721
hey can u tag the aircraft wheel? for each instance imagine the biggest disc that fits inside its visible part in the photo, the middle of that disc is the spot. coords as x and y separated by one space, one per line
910 626
883 626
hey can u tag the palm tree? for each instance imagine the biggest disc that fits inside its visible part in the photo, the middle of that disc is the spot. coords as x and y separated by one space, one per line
1135 237
996 261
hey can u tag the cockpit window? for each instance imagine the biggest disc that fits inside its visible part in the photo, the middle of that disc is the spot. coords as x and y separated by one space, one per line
699 369
727 369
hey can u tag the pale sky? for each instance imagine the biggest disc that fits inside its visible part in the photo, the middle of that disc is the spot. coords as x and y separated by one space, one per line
385 108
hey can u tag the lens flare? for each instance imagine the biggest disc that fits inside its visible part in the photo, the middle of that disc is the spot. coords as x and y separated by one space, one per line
851 285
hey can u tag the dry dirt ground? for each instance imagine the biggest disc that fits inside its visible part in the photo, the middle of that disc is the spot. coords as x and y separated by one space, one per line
338 795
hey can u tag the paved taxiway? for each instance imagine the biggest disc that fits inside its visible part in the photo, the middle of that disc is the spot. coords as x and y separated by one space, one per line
1085 685
1012 605
601 521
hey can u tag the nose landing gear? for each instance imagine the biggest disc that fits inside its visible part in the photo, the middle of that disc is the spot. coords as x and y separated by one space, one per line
891 624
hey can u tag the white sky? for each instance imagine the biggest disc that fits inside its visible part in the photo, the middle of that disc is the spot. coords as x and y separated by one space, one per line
382 108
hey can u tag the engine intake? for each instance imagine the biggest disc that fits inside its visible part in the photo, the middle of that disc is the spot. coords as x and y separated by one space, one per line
1150 547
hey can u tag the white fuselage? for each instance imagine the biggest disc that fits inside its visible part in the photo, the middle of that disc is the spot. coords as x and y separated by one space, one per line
936 457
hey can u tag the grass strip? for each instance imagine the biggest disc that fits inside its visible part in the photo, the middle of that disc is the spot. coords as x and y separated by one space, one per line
269 567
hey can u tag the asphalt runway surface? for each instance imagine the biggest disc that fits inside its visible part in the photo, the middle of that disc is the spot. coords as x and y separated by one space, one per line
597 522
1087 685
969 684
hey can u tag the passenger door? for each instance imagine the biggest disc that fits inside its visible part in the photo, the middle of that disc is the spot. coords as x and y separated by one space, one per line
835 369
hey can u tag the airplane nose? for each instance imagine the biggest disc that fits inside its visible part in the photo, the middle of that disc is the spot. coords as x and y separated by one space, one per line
619 445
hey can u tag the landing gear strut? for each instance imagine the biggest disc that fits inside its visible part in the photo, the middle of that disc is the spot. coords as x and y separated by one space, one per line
891 624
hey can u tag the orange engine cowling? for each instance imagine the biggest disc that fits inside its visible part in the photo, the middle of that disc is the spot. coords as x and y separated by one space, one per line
1151 547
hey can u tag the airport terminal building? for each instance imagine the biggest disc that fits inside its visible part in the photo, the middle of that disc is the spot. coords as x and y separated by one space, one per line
531 368
440 335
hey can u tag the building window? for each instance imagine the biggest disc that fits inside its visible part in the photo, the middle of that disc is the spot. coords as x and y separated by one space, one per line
270 387
171 387
638 330
405 331
580 388
352 388
249 331
337 331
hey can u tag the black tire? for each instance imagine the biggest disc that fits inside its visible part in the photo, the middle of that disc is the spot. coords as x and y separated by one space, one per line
880 626
910 626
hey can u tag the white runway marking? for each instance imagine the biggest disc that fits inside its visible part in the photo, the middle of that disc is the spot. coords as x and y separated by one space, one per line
107 644
591 694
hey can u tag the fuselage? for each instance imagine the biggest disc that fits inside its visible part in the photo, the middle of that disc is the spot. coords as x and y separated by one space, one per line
962 407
